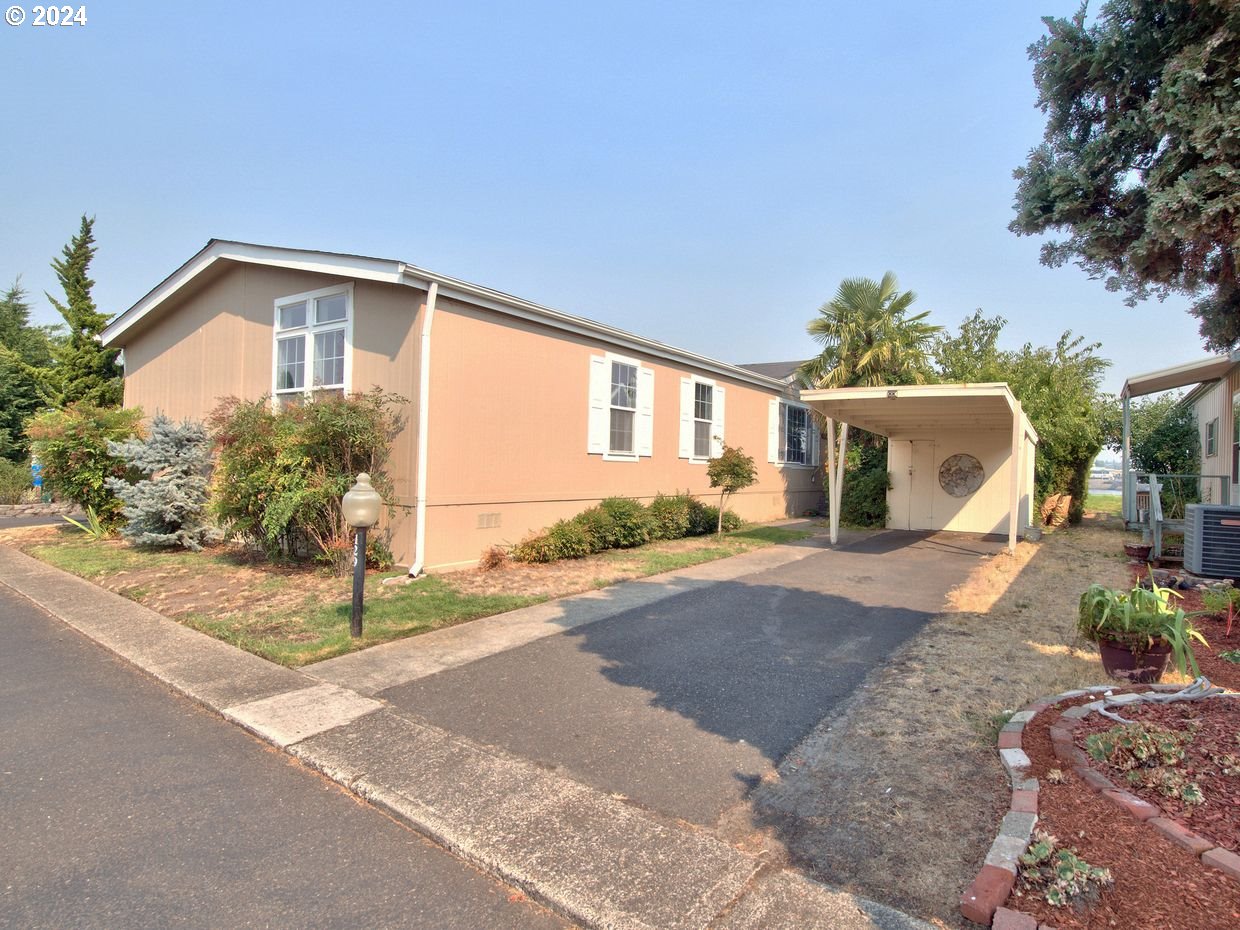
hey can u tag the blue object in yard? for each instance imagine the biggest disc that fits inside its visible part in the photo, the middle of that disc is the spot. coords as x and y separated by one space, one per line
36 474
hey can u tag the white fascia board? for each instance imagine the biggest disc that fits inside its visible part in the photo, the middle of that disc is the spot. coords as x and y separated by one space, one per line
330 263
1166 379
402 273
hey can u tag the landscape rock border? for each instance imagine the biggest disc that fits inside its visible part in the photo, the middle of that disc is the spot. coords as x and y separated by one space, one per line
982 902
35 510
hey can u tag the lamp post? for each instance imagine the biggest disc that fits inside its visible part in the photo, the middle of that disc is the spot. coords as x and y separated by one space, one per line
360 506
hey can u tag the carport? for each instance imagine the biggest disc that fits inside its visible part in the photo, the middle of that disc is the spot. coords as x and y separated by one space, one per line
960 456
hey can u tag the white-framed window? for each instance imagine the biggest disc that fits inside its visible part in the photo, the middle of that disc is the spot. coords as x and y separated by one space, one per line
701 418
1212 437
792 436
313 343
621 409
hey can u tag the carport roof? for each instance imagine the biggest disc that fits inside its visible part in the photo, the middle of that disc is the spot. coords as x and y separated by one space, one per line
921 411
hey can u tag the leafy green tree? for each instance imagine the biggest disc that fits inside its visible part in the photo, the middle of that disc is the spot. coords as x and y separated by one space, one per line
85 370
867 338
1058 387
73 445
25 357
1163 435
1141 160
731 471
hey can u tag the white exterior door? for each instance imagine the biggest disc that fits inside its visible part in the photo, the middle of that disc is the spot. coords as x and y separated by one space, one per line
921 486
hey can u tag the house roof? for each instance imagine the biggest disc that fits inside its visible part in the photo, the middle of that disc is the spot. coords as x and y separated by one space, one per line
393 271
921 411
781 370
1183 375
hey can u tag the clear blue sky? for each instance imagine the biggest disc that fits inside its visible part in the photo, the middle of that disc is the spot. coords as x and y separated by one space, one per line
704 174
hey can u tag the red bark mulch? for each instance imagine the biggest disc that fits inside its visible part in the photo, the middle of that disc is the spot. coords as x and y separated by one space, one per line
1158 885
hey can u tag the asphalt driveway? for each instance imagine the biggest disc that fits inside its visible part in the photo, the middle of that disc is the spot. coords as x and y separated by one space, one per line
685 704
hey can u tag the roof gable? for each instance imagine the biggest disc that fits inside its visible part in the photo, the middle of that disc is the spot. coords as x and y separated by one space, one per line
396 272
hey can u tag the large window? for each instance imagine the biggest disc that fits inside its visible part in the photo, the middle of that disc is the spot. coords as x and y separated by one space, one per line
623 407
703 418
312 340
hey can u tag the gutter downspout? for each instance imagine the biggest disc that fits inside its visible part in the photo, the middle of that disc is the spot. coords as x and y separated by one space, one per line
424 408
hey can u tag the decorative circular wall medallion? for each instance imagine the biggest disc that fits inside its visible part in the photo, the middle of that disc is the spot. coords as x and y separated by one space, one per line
960 475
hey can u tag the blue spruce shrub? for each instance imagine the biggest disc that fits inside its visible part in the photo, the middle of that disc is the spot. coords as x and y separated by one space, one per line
167 506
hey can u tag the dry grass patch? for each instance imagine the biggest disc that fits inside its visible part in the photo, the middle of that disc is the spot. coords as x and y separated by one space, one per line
899 797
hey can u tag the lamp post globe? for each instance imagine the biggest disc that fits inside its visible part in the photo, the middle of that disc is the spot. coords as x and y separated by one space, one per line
361 503
360 507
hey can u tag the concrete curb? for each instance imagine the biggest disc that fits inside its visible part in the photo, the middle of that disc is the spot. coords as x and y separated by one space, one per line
982 902
595 859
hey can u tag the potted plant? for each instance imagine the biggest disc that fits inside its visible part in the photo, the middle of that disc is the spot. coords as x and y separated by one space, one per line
1138 631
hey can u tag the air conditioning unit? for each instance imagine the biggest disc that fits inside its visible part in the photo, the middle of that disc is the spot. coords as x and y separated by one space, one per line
1212 540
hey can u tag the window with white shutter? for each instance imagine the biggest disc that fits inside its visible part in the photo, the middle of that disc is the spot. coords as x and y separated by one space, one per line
621 408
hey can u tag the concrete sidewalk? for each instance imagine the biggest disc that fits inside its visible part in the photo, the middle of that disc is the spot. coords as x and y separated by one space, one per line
590 856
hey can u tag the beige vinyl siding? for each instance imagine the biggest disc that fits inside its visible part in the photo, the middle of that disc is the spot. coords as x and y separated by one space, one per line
217 343
510 406
918 502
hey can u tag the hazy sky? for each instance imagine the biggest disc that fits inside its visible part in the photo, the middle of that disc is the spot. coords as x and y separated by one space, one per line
703 174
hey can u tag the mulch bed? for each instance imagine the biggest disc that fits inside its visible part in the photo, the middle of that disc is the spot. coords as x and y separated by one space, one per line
1158 884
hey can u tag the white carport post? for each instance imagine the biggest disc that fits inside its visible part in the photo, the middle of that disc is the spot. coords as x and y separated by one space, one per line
1018 443
835 473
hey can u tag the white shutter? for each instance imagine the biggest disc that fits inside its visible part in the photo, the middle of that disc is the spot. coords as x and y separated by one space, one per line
772 430
645 411
716 426
686 418
600 412
815 440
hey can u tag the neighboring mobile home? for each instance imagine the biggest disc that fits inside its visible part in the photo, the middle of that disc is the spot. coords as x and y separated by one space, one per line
1215 400
518 415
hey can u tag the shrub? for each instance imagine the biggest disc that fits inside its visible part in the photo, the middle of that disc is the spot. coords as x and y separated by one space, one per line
599 527
493 557
167 506
15 480
706 520
280 475
569 540
669 516
863 501
630 519
702 518
72 446
536 548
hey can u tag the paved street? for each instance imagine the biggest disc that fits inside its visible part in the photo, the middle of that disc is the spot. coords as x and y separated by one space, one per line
123 804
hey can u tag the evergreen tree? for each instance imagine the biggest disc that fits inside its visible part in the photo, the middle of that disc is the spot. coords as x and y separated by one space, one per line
168 506
85 370
25 358
1141 158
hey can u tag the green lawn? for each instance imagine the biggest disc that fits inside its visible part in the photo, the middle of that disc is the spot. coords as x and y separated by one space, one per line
298 614
314 630
1104 503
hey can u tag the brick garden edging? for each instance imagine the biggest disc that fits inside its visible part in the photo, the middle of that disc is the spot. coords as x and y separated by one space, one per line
35 510
982 902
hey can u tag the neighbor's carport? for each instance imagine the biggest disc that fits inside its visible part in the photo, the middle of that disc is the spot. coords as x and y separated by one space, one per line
960 456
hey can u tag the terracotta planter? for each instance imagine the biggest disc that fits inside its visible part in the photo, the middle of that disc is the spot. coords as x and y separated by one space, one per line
1138 551
1140 668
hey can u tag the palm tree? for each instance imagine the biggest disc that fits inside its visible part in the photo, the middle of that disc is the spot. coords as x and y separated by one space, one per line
868 339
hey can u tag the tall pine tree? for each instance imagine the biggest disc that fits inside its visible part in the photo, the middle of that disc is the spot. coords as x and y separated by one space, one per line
85 370
25 358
